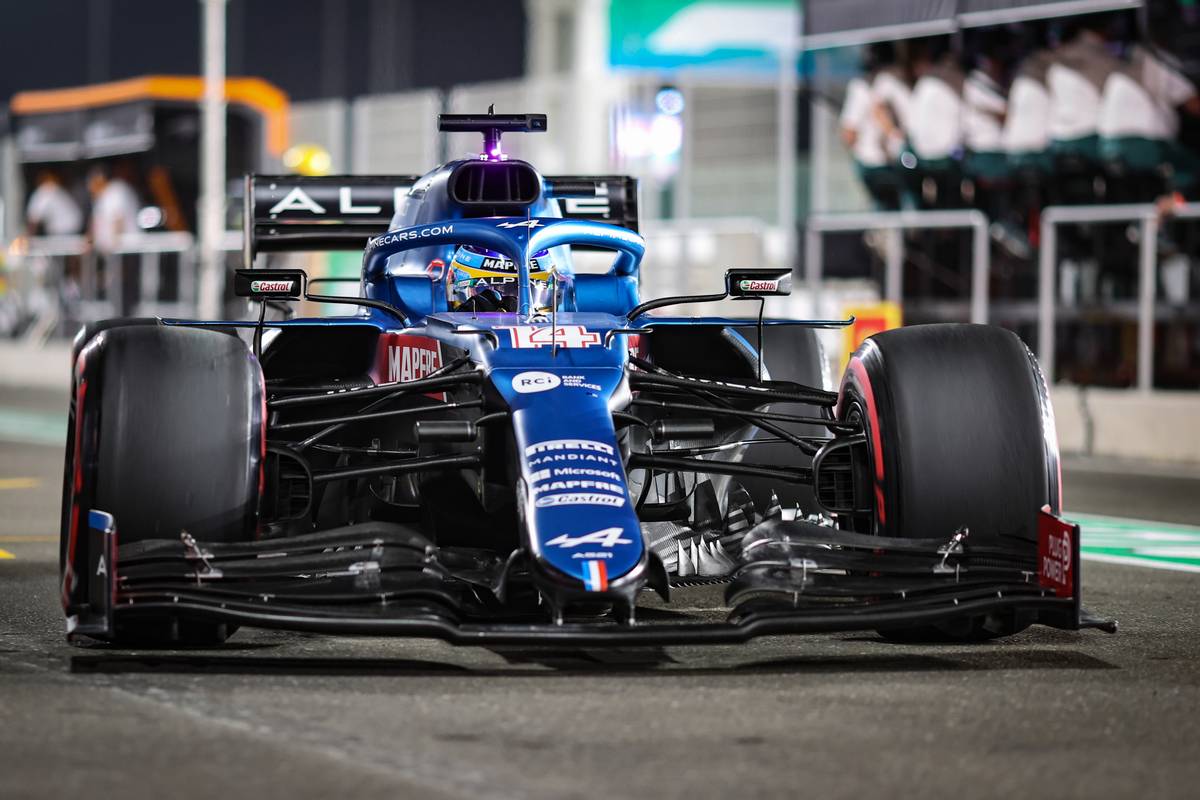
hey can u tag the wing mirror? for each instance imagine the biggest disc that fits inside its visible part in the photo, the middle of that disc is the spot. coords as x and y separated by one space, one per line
270 284
746 283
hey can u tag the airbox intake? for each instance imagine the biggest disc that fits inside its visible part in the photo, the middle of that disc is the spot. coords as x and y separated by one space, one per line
494 183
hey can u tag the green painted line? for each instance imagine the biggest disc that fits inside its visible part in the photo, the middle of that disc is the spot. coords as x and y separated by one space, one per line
33 427
1159 545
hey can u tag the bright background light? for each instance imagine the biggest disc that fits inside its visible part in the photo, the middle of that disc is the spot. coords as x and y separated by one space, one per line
669 101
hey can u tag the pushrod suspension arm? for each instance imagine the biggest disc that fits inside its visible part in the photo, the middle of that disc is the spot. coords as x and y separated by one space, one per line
793 394
420 385
369 415
655 461
841 427
397 467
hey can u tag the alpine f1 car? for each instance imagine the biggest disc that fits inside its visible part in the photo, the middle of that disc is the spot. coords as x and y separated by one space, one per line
496 448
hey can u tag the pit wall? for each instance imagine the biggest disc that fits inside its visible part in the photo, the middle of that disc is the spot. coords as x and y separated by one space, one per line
1160 426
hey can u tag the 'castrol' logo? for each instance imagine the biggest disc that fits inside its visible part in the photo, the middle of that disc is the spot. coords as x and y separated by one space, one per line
758 286
271 286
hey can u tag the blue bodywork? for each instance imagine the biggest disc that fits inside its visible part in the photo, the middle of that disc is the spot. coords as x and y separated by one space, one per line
561 378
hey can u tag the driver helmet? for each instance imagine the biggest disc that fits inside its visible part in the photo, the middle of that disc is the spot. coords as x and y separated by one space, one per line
484 280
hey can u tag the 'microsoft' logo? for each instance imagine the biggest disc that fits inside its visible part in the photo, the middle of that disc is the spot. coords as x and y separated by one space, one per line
535 381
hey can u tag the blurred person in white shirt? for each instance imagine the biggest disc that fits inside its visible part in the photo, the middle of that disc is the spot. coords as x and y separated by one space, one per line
935 118
986 162
51 210
53 282
1079 69
114 213
893 109
1026 135
869 128
114 207
985 107
934 122
1139 117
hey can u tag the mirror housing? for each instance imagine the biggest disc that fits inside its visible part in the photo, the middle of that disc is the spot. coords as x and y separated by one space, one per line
750 283
270 284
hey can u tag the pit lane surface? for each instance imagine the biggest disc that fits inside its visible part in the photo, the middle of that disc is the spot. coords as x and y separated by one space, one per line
1047 713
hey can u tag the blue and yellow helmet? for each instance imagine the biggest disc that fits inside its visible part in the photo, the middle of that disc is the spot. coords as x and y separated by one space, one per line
475 272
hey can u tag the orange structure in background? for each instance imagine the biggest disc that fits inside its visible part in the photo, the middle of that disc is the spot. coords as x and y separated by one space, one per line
265 98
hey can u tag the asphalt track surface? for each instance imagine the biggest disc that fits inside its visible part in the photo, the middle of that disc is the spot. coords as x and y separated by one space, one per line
1046 713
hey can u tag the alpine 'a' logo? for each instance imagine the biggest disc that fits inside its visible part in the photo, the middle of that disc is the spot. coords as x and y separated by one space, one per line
297 200
608 537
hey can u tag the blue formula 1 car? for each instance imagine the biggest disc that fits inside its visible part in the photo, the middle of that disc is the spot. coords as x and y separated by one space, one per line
498 448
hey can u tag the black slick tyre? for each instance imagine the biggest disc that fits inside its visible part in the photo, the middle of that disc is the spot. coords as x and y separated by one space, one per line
168 436
960 433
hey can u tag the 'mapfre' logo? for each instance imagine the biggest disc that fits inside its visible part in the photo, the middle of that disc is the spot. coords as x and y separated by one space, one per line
411 362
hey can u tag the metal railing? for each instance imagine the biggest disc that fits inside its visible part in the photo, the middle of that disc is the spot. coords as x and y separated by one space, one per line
1147 216
895 223
98 291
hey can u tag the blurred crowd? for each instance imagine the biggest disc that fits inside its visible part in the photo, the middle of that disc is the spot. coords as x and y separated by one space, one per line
74 223
1012 119
54 210
1077 112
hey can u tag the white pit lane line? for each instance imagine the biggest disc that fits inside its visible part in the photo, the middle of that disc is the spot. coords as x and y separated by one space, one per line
1139 543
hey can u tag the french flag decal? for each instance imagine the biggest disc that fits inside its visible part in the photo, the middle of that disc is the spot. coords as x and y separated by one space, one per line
595 576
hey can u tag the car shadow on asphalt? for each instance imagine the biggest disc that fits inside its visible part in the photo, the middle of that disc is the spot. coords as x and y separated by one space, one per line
547 662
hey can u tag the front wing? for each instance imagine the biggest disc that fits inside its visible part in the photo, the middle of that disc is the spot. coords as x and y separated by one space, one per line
384 579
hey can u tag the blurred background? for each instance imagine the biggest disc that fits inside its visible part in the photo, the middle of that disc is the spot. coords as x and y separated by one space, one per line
1029 163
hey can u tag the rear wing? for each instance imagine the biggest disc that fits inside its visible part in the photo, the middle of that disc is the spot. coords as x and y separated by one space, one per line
599 198
286 213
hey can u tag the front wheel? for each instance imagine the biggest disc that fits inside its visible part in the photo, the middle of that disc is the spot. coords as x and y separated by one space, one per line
167 436
960 433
